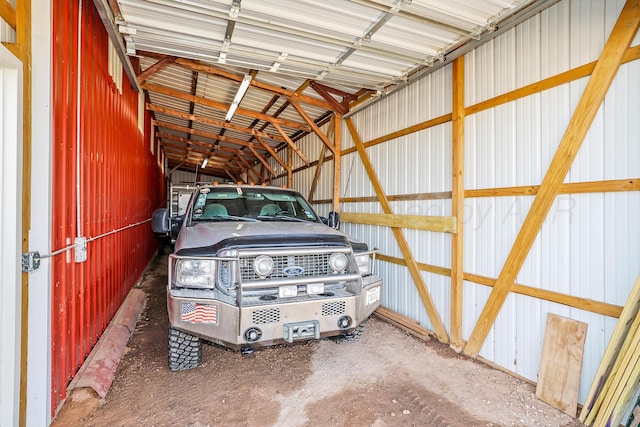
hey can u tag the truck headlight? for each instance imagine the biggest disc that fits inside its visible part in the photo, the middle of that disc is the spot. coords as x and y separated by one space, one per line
338 262
364 264
194 273
263 265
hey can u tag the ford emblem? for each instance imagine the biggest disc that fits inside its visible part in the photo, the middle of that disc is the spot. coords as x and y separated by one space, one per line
293 270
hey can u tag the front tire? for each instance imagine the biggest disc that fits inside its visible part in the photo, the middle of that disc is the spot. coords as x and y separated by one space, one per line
185 350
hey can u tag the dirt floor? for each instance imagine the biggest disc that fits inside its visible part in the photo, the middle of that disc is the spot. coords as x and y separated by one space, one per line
383 378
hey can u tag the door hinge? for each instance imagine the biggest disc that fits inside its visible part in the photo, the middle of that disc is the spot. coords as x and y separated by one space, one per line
30 261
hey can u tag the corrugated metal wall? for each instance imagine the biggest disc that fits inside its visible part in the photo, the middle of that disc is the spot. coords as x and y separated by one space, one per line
120 186
588 247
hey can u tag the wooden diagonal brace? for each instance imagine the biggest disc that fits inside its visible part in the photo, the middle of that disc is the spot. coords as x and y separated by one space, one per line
412 265
594 93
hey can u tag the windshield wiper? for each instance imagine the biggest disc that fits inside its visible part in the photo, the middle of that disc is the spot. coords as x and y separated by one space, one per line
281 217
230 218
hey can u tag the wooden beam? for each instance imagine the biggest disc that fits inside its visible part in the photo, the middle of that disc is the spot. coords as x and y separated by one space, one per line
405 323
402 132
591 306
441 195
271 151
171 137
442 224
232 176
605 70
202 133
609 186
160 65
327 93
193 65
213 122
457 204
220 106
313 126
250 172
289 167
548 83
292 144
263 161
337 119
434 317
323 152
8 13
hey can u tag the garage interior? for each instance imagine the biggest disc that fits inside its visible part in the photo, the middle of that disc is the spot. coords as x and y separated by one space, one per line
489 149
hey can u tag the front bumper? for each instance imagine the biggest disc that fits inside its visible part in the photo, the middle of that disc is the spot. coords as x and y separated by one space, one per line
283 320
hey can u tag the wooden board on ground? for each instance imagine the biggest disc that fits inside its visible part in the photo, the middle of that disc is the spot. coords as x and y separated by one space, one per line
618 336
405 323
561 363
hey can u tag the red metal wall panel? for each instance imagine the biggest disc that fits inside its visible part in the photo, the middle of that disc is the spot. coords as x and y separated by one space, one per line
120 183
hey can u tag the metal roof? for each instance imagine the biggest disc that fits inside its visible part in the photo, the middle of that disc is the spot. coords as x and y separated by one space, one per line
190 56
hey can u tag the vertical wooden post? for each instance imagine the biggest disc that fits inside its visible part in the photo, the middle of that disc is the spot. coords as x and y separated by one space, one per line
289 164
434 317
457 204
605 70
22 50
337 119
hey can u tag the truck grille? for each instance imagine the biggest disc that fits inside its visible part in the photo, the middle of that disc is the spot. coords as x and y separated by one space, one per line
311 264
333 308
270 315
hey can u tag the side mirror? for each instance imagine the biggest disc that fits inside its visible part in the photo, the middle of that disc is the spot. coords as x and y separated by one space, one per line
160 221
333 220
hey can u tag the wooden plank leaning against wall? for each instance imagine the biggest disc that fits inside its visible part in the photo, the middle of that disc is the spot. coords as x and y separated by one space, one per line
631 184
19 18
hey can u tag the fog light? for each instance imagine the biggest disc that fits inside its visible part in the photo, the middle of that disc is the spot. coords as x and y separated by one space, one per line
288 291
252 335
315 288
344 322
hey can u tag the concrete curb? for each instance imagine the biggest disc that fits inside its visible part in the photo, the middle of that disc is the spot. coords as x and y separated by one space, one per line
98 371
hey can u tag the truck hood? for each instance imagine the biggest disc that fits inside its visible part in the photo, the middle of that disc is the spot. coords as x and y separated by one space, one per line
208 238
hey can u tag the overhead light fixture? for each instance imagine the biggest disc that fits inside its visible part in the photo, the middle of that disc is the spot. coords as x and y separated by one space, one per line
244 85
204 162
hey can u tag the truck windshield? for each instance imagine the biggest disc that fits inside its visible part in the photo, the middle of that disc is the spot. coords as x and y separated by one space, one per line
259 203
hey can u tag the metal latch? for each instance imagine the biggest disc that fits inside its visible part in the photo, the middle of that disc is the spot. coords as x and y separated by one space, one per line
30 261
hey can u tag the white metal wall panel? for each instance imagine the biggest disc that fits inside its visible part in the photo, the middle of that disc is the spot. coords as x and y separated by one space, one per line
589 245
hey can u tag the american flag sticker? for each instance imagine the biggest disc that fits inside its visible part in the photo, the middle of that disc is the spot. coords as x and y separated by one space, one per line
199 313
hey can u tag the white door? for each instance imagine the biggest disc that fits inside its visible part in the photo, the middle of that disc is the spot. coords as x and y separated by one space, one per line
10 235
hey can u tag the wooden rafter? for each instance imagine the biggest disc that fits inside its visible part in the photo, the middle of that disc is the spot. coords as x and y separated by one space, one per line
313 126
231 175
8 13
292 144
271 151
160 65
172 137
193 65
457 204
263 161
220 106
321 157
328 93
605 70
210 135
213 122
434 317
249 168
